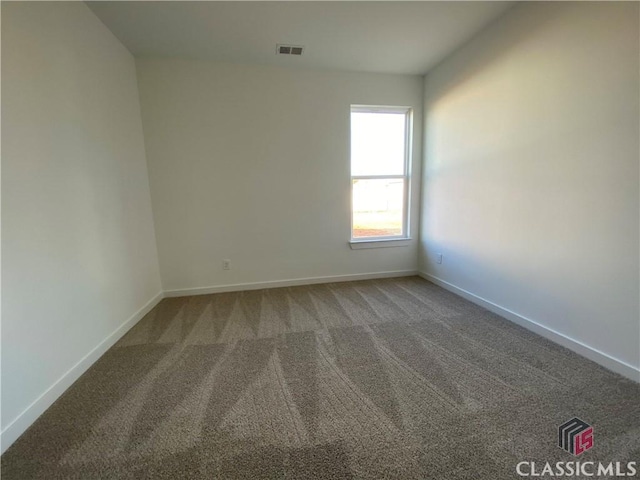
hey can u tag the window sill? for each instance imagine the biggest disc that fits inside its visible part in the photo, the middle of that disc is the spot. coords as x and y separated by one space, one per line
383 243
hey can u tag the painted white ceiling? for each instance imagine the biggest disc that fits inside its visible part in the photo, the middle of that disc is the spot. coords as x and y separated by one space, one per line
391 37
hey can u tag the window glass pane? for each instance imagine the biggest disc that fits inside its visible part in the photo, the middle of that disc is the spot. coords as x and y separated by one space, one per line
377 143
377 207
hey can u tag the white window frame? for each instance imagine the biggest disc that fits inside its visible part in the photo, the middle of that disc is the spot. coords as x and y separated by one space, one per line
392 240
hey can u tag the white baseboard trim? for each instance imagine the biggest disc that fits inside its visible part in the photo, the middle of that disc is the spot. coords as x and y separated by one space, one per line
23 421
601 358
12 431
17 427
286 283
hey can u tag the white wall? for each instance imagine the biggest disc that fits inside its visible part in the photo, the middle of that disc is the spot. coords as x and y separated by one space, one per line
78 246
251 164
530 185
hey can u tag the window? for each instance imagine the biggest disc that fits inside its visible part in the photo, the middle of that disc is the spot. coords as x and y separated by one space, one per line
380 152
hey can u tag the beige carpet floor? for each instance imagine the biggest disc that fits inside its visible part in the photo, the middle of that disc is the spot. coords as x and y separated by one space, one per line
392 378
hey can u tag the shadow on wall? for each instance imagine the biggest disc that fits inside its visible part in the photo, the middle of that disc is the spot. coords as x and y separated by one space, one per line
474 57
475 272
531 170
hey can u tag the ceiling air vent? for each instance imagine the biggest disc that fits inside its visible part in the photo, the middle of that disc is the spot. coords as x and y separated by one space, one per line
282 49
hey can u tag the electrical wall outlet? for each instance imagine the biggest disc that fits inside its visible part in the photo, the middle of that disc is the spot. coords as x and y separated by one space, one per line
226 264
438 258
